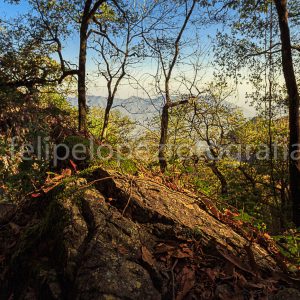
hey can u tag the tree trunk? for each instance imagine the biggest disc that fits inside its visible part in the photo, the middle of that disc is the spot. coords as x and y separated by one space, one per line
88 14
293 94
82 106
168 104
106 118
221 177
163 138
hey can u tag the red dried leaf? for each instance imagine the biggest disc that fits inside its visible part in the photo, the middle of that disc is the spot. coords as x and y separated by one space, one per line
212 208
74 166
36 195
230 214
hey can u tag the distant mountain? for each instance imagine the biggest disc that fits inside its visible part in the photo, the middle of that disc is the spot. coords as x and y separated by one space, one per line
140 108
135 107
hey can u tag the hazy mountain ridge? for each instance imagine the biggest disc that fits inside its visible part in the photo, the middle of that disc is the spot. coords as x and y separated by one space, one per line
138 107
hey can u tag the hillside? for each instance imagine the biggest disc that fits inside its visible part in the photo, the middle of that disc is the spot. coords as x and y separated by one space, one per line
102 235
181 181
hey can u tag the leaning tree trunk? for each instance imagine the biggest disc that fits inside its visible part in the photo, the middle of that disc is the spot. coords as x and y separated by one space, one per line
221 178
293 94
106 118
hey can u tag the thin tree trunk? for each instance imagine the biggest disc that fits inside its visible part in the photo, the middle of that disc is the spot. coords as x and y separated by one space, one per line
293 93
111 98
168 104
248 177
106 118
82 106
163 138
221 177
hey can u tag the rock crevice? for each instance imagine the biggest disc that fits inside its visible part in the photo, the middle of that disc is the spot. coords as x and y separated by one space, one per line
128 238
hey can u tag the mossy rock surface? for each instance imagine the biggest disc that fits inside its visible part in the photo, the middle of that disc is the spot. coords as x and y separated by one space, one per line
101 237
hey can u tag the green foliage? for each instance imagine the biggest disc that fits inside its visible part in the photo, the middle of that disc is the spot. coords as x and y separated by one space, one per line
128 166
120 126
106 14
289 245
73 140
34 63
115 161
246 218
51 98
204 183
20 171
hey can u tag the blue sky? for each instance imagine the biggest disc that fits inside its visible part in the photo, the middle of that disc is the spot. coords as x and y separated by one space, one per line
97 86
12 10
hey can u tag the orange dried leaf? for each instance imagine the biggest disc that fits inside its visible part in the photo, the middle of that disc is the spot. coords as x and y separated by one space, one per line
48 189
66 172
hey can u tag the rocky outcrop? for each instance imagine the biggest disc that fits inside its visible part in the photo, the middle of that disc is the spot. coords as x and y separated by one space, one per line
107 236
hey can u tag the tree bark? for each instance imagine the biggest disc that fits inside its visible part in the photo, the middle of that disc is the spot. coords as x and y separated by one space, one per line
111 96
106 118
88 14
163 138
168 102
164 127
293 94
82 106
221 177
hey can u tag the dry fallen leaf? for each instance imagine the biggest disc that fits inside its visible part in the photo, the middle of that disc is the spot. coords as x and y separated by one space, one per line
187 281
66 172
48 189
35 195
163 248
235 261
147 256
182 253
122 250
74 166
212 273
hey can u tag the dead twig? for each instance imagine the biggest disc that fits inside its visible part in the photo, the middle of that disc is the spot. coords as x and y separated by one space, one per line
94 181
129 198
